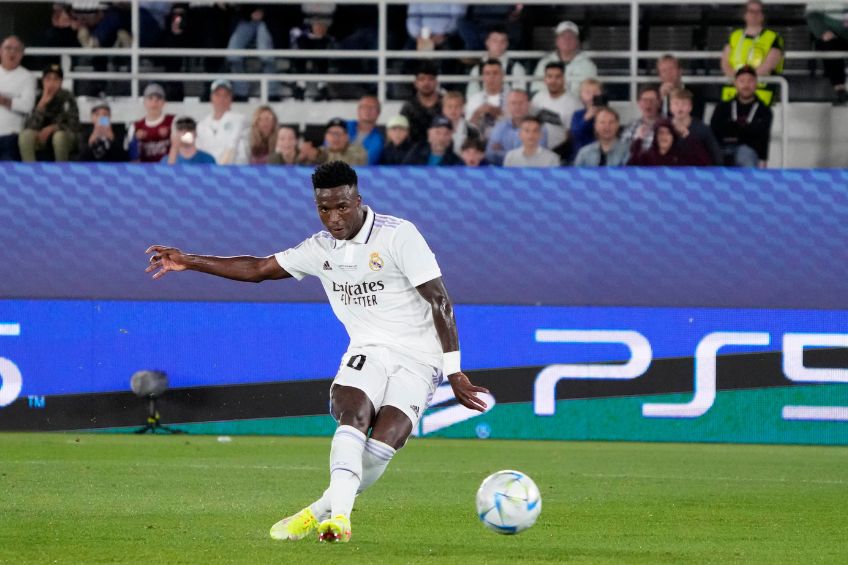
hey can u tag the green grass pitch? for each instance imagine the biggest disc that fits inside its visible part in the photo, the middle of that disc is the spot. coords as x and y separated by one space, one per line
69 498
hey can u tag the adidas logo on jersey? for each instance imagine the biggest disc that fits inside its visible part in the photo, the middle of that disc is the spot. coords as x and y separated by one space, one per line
327 266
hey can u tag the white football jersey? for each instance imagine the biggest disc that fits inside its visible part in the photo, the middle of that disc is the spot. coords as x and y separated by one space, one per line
370 281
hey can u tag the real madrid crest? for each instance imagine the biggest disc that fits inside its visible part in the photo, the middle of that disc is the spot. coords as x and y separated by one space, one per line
375 262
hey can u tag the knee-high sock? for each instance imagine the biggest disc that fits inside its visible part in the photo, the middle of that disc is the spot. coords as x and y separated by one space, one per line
375 459
345 468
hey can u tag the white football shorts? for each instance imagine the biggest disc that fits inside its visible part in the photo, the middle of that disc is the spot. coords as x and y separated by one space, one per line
390 378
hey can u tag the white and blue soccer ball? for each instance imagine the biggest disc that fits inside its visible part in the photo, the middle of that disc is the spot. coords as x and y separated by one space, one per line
508 502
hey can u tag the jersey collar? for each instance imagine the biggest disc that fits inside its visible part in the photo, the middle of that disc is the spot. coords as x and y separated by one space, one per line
364 233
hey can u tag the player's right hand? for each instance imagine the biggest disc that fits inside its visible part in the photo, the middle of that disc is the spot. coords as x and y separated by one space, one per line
165 259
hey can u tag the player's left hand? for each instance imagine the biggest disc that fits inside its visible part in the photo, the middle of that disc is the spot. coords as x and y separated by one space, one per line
466 393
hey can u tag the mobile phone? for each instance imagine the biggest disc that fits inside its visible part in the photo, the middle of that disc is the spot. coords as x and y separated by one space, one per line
103 121
600 100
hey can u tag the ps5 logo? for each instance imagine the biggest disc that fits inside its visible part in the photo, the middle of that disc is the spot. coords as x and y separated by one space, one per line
706 352
10 376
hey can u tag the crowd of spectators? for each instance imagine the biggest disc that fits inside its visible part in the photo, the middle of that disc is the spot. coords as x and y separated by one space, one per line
558 116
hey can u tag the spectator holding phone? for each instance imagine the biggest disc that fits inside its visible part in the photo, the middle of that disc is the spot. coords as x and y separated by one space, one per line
103 145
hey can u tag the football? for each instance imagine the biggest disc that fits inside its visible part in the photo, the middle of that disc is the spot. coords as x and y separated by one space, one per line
508 502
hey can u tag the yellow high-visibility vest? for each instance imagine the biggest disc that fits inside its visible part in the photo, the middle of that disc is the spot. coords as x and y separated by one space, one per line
752 51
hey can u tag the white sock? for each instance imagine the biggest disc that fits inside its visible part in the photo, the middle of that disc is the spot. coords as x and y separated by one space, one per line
375 459
345 468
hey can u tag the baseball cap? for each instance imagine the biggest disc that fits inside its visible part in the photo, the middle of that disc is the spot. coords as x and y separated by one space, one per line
567 26
154 89
55 69
221 83
398 122
100 104
337 122
441 122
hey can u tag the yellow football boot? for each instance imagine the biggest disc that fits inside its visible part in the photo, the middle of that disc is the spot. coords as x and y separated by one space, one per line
335 530
295 527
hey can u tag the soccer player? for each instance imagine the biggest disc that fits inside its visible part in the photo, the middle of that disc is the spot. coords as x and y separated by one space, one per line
385 286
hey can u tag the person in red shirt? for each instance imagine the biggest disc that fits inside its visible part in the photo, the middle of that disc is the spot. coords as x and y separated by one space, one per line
149 139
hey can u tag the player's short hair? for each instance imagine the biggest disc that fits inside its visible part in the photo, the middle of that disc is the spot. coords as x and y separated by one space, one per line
453 95
681 94
555 65
473 143
333 174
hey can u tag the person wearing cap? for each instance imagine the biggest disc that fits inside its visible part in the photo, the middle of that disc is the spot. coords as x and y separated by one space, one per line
437 151
506 133
578 65
184 149
398 143
149 139
337 145
742 126
220 133
54 122
17 96
104 145
363 130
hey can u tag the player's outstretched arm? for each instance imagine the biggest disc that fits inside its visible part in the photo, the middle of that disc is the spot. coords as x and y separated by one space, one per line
244 268
435 293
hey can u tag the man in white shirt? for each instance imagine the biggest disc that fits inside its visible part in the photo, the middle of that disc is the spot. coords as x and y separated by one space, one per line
17 96
578 65
220 132
531 153
497 43
385 286
485 108
554 105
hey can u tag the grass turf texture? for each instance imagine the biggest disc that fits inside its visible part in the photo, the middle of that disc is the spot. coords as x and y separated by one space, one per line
70 498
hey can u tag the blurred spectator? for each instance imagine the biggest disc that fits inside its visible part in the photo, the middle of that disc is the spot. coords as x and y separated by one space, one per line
639 134
184 149
828 23
220 133
104 145
453 107
149 139
505 134
481 19
313 35
337 146
426 104
102 24
670 74
486 107
665 150
153 17
398 143
497 43
364 131
258 145
433 26
251 30
553 105
473 153
286 151
54 122
697 141
438 150
62 31
608 150
582 131
743 125
530 153
17 96
578 65
754 46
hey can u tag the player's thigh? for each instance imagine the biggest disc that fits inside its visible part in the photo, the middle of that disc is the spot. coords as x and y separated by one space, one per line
409 391
359 388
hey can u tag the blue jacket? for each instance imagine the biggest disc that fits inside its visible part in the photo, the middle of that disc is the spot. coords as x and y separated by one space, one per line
373 142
